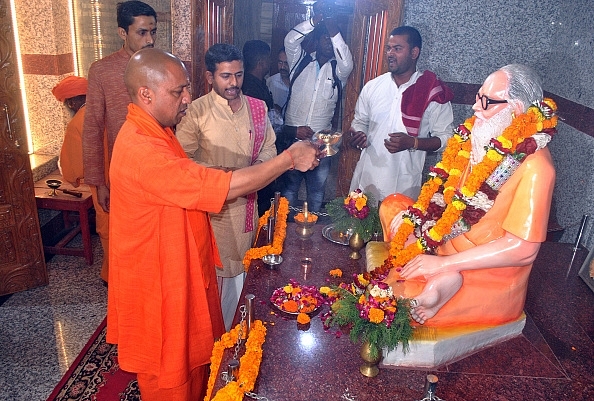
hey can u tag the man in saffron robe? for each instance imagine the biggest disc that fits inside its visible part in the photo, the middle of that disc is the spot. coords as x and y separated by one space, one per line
479 277
228 130
163 305
72 91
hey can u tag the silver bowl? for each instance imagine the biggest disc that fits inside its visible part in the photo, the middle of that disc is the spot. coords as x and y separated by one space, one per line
272 260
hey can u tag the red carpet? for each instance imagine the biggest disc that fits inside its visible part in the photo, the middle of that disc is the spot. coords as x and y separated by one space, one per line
96 375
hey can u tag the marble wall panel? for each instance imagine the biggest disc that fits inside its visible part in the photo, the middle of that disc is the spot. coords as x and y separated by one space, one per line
573 155
181 17
43 26
465 41
47 116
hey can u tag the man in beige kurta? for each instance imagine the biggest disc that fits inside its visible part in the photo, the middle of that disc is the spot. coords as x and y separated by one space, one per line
228 130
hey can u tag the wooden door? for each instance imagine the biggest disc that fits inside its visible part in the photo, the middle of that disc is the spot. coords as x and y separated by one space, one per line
22 264
373 21
212 22
285 15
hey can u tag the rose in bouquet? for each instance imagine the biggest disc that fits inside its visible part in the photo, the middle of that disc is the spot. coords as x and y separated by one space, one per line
354 213
372 313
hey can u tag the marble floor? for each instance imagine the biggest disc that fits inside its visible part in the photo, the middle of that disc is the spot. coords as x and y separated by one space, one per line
43 330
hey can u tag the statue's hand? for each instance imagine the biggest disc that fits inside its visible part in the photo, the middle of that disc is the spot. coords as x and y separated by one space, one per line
422 266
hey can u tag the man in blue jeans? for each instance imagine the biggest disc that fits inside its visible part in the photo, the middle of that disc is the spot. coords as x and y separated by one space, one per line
315 88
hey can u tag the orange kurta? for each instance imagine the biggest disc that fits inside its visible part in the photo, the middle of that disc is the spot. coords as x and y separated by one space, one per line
163 306
71 163
496 295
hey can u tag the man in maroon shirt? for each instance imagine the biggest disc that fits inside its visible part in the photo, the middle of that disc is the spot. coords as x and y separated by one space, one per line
107 105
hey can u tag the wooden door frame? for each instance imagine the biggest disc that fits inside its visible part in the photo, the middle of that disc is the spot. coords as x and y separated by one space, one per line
212 22
373 21
22 262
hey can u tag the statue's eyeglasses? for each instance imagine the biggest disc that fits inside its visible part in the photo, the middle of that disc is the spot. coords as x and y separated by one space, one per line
485 101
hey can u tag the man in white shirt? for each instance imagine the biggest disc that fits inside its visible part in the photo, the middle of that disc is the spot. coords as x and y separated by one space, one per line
278 84
399 116
313 96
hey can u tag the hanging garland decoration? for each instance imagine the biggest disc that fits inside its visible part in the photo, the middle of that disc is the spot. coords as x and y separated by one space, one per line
280 233
442 211
249 363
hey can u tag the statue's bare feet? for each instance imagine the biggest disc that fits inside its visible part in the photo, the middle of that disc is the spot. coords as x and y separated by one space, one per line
425 306
438 290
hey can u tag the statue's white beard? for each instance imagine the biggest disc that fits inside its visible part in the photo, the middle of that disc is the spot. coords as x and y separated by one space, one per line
484 130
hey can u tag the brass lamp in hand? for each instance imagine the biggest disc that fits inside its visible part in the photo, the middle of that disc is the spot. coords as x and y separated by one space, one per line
328 141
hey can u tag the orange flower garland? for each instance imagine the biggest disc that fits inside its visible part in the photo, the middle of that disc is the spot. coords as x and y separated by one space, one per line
280 233
539 118
249 363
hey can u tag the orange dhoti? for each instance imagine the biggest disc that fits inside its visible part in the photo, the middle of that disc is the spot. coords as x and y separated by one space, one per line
489 296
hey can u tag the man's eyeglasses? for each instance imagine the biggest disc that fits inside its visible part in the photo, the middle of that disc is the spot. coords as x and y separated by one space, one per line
485 101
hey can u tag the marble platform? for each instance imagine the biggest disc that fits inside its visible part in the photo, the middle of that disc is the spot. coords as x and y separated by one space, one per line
432 347
436 347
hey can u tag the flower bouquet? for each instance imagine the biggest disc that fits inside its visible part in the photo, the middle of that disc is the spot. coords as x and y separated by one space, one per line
372 312
354 213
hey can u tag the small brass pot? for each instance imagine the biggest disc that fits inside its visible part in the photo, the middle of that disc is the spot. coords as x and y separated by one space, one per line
369 367
305 230
356 243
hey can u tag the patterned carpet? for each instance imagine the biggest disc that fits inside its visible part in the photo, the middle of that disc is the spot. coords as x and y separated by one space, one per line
96 375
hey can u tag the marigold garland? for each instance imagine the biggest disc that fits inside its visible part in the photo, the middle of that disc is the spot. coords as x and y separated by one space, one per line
249 363
280 233
517 140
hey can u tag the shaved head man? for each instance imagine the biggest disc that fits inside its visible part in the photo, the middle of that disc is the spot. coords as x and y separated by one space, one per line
163 305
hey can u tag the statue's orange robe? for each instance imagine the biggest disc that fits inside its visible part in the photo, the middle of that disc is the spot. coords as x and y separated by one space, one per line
496 295
163 306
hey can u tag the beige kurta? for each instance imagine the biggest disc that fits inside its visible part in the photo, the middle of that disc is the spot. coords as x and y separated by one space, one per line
213 135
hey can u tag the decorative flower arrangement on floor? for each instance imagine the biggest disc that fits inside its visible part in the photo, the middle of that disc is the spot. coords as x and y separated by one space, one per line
249 363
354 212
369 309
280 233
